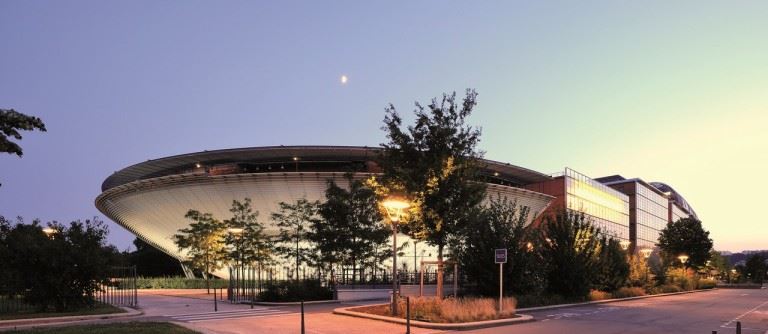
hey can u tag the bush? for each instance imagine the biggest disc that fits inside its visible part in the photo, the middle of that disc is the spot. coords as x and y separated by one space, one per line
293 291
629 292
178 282
454 310
666 288
707 284
596 295
534 300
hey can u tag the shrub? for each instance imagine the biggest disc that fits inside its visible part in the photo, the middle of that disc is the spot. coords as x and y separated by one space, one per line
457 309
178 282
707 284
629 292
596 295
533 300
666 288
293 291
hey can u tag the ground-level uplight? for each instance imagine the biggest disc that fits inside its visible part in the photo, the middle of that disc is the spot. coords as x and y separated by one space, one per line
395 210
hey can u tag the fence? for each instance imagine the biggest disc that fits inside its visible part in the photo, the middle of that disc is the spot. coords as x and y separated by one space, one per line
118 289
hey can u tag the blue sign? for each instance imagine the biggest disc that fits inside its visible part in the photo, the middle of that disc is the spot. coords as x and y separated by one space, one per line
501 255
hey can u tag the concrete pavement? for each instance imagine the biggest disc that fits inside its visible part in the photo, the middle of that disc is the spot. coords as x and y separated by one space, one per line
698 313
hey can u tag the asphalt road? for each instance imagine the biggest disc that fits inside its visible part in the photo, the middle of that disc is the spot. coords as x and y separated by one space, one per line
695 313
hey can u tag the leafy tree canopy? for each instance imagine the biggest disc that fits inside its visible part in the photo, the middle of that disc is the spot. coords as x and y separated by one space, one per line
434 162
685 236
11 122
572 248
203 242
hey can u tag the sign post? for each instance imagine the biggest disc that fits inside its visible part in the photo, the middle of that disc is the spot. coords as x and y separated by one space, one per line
501 259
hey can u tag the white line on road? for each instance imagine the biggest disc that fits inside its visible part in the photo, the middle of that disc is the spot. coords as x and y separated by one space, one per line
239 314
220 312
743 314
244 316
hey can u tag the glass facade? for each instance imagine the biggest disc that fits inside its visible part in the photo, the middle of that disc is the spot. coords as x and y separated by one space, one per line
650 215
607 208
677 212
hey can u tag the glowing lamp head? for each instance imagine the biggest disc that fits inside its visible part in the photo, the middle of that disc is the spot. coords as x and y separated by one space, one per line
733 271
646 252
49 231
625 244
683 258
235 230
395 208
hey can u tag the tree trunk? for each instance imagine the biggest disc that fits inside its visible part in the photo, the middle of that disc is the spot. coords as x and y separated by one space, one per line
440 272
297 257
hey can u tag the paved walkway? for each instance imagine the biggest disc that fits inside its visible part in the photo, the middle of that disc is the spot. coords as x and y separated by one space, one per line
195 310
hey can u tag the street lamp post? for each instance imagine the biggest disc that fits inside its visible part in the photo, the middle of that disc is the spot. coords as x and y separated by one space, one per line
395 210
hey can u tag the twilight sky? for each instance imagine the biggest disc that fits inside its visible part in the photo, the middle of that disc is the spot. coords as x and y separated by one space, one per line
666 91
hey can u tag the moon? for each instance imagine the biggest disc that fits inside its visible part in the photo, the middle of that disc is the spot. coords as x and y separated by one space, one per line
344 79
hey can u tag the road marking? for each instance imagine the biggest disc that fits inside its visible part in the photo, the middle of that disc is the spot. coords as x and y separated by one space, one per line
209 316
216 312
743 314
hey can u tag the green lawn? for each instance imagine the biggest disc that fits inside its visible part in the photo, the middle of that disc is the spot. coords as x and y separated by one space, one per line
30 314
116 328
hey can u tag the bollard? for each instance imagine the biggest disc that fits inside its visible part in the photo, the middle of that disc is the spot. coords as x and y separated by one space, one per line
407 315
714 332
215 301
738 327
302 317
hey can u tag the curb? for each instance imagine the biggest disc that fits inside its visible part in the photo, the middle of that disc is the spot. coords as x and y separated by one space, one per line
313 302
605 301
520 318
193 327
6 324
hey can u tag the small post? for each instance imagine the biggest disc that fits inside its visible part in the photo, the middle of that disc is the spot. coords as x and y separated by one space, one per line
501 283
302 316
407 315
215 301
738 327
714 332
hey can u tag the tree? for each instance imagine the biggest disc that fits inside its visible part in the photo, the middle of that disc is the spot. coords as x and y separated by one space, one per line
352 228
11 122
434 162
718 265
613 268
63 271
500 224
204 243
755 268
572 247
150 261
253 245
294 221
685 236
639 271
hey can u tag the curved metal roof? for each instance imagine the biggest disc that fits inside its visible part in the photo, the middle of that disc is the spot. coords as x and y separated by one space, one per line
679 199
282 154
